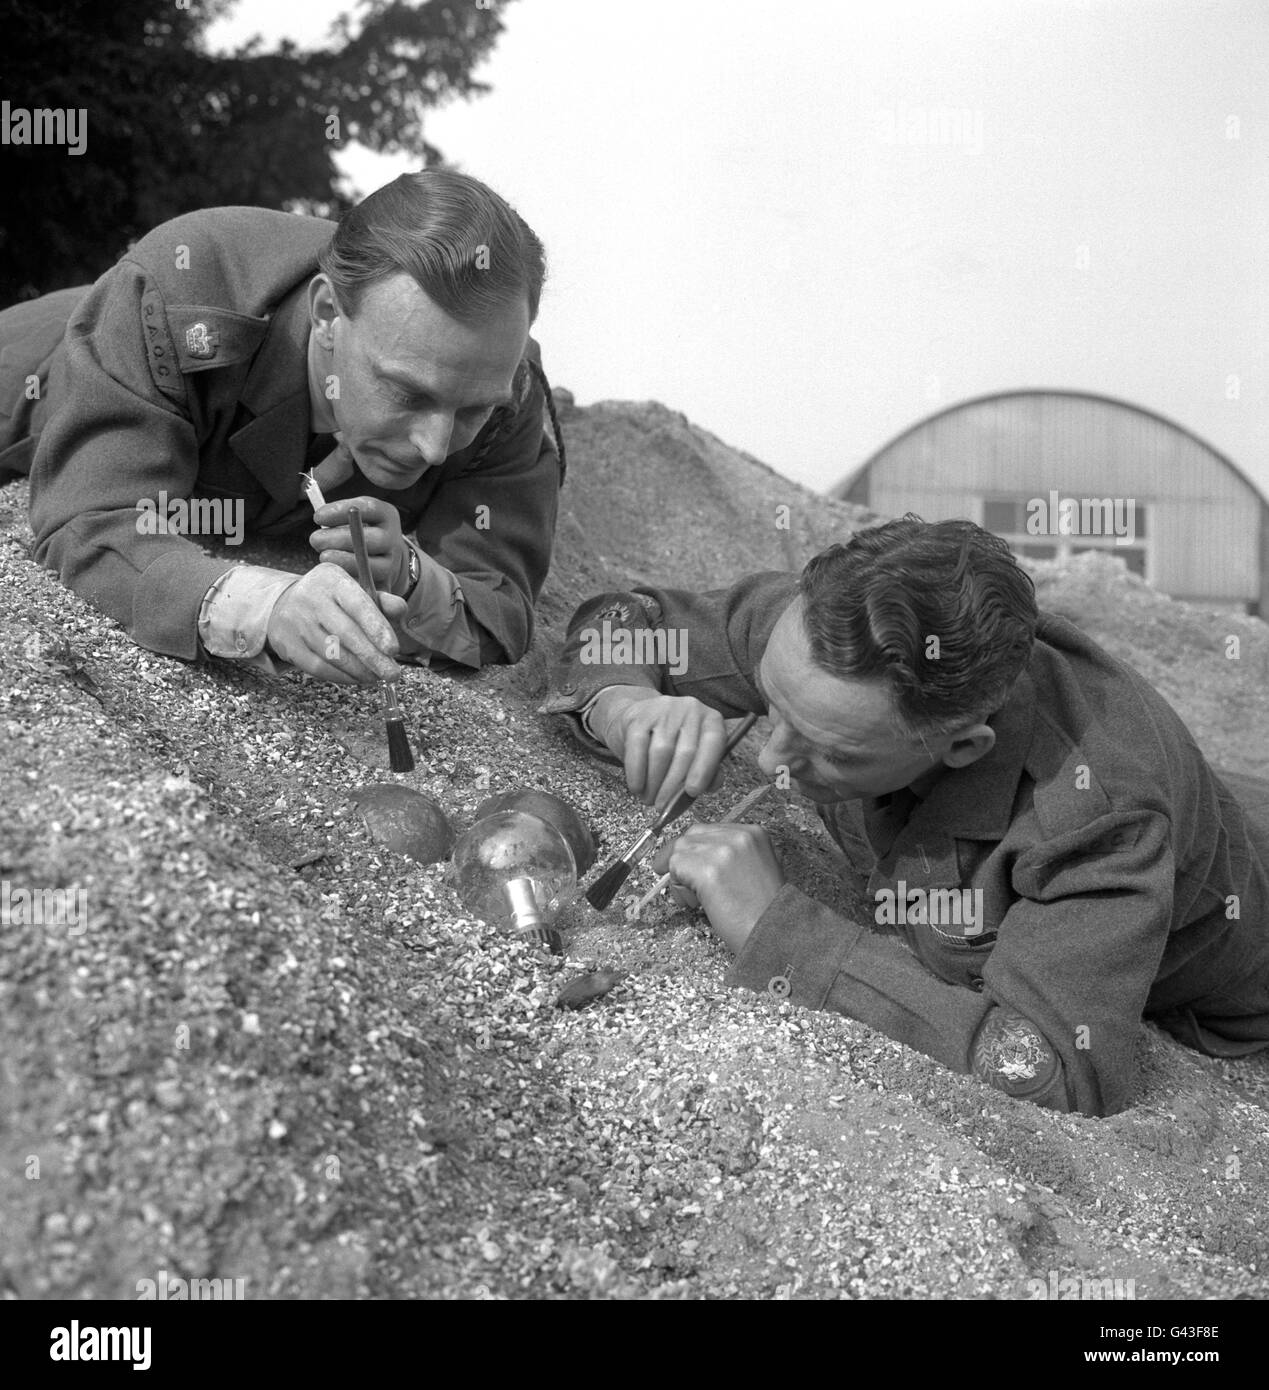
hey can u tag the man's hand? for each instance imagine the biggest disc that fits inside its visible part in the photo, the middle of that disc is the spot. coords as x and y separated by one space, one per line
385 546
327 625
731 870
668 742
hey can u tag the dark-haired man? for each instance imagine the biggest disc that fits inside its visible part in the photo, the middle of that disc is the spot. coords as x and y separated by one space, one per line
1037 826
232 349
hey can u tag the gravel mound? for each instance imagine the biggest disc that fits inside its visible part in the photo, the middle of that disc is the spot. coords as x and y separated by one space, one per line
280 1053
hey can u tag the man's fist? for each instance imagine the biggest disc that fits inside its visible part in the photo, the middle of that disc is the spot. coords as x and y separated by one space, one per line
667 742
732 871
327 625
385 546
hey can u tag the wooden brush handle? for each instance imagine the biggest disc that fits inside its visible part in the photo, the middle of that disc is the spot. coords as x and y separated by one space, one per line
738 810
681 802
363 560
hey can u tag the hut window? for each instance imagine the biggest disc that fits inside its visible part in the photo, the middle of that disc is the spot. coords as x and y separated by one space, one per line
1008 517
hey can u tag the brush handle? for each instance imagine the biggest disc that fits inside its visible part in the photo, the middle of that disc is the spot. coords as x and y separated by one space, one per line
363 560
392 709
738 810
391 705
681 802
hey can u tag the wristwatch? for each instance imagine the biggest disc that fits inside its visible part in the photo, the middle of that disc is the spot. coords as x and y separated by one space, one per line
415 568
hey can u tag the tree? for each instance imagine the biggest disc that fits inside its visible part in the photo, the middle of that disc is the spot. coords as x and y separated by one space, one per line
172 127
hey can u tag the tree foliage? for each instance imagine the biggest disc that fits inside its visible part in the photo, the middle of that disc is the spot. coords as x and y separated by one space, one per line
172 127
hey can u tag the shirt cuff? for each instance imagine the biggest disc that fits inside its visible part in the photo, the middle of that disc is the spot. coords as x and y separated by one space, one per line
585 732
584 715
436 619
233 621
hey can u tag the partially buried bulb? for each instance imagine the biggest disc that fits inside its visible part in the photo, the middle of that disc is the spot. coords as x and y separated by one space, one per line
515 871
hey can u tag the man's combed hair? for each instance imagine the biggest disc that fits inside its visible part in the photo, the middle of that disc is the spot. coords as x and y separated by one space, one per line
465 247
872 606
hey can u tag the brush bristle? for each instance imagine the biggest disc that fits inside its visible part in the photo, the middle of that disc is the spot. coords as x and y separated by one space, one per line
604 888
400 759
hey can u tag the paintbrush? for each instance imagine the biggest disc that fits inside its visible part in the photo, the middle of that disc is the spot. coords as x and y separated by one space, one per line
738 810
400 759
605 887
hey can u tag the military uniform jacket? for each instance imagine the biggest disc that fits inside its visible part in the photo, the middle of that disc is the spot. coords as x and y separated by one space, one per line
1119 876
184 370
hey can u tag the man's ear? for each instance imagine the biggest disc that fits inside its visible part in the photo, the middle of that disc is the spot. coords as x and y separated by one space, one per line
971 743
323 308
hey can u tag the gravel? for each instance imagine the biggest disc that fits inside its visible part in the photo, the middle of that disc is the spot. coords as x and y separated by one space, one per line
329 1081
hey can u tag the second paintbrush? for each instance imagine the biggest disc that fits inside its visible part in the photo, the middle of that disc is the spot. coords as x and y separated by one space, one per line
400 758
604 889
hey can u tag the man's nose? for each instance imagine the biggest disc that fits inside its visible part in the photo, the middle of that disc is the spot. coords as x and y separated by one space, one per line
430 435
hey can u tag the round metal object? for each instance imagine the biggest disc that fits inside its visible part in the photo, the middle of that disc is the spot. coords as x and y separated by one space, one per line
405 821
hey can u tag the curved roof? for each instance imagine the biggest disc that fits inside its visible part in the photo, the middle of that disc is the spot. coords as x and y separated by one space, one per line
855 474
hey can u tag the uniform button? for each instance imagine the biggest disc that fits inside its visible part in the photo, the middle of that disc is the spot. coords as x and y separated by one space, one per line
568 687
976 983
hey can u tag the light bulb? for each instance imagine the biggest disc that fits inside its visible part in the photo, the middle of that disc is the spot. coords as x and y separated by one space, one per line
533 801
515 871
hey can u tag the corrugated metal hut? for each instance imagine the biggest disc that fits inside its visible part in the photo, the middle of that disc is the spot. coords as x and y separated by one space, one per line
1059 472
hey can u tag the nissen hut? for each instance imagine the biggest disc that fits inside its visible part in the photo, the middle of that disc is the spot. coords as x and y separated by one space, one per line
1056 473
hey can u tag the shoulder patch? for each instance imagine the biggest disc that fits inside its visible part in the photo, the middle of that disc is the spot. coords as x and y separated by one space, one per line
1011 1054
207 337
652 608
160 351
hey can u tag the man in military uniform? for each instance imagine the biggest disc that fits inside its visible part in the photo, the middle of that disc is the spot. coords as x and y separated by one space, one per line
1037 826
234 348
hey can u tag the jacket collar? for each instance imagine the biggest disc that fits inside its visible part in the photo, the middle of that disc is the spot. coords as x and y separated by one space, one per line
968 803
273 445
976 802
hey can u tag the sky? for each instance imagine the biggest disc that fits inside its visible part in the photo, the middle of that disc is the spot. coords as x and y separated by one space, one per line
809 226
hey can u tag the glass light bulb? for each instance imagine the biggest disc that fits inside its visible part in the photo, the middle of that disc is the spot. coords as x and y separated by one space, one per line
514 871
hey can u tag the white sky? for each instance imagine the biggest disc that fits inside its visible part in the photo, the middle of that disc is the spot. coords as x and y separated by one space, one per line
751 217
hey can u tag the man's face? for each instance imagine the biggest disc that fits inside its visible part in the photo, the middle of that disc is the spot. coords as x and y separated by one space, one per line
415 385
836 736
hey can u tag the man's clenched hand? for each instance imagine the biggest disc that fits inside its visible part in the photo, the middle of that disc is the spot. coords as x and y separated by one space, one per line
385 546
327 625
731 870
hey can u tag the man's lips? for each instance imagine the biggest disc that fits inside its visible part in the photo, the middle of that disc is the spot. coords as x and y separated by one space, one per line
385 463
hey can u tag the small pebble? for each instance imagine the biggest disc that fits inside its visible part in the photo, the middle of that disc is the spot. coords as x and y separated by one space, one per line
585 989
170 1095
